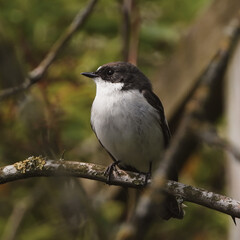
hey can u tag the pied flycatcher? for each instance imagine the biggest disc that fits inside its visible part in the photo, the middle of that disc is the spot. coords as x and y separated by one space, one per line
129 122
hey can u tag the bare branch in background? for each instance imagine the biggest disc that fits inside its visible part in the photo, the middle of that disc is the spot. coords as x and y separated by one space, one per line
36 74
134 34
126 10
210 136
194 52
130 30
196 109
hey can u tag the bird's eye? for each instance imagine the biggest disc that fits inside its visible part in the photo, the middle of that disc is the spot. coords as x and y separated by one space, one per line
110 71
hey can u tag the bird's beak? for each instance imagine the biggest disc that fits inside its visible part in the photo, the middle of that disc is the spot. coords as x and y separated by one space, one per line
90 74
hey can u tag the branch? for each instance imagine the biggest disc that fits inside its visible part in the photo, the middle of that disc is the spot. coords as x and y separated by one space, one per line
193 53
210 135
197 109
43 167
130 30
36 74
126 9
204 198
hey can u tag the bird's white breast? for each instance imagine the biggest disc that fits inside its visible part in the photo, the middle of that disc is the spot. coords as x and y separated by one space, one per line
126 125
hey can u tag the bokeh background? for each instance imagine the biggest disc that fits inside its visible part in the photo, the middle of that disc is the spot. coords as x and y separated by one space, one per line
54 116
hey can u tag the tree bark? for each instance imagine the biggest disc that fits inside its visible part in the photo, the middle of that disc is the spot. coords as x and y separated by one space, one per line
43 167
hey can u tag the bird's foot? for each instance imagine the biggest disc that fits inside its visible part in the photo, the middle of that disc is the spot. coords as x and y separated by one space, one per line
109 171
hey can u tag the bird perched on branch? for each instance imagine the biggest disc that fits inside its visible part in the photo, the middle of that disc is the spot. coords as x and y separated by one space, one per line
129 122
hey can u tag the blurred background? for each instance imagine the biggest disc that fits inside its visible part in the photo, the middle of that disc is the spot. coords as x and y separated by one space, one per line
53 116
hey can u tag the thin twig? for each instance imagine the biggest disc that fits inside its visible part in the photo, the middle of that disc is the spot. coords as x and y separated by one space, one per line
210 136
36 74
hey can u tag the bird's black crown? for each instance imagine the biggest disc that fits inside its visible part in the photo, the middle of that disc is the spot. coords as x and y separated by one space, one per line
122 72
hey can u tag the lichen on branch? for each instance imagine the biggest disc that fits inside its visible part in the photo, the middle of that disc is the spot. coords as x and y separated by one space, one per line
43 167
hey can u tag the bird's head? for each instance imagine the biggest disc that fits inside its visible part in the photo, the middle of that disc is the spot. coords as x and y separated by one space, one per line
122 74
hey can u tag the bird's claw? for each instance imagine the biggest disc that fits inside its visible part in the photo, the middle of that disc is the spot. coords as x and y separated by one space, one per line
108 172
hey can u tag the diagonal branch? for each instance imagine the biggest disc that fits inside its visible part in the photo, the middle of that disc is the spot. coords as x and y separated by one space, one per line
43 167
208 133
36 74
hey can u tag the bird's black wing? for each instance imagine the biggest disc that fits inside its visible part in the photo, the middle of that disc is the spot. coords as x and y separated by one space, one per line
172 207
155 102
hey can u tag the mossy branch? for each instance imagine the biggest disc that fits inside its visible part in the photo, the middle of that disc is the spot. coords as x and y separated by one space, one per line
43 167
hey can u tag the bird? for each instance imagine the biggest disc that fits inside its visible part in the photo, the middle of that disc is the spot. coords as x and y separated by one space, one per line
129 122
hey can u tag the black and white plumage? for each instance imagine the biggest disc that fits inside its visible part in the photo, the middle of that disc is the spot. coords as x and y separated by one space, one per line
128 118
